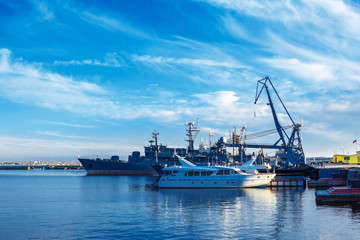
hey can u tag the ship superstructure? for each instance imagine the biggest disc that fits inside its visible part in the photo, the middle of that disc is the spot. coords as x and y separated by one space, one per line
158 155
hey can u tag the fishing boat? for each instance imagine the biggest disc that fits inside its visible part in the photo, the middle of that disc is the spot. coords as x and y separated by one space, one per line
188 175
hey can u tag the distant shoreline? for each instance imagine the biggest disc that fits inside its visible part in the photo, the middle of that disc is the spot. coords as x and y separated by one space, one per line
53 165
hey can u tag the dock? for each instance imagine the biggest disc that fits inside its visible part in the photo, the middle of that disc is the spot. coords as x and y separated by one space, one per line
293 183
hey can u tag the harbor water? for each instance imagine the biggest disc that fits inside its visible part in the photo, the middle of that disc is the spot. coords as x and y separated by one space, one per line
67 204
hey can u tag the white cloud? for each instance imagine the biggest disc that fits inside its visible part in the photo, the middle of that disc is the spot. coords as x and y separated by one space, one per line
341 106
110 60
320 72
318 43
46 13
54 134
4 59
219 98
283 11
212 68
24 83
323 131
225 107
325 14
309 71
212 130
111 23
185 61
68 124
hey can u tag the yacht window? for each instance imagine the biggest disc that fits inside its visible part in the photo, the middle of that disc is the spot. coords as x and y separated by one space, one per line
220 172
185 174
190 173
196 173
203 173
209 173
226 172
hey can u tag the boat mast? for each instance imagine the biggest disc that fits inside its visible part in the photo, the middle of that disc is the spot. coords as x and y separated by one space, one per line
155 134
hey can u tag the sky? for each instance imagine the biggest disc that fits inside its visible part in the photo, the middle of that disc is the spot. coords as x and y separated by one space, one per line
98 77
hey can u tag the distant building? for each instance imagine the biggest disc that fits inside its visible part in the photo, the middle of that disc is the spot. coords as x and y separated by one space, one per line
338 158
347 159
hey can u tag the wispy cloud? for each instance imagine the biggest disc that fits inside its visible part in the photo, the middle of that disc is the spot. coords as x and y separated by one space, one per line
207 70
305 70
320 69
318 14
67 124
321 129
185 61
54 134
110 60
44 10
24 83
111 23
314 41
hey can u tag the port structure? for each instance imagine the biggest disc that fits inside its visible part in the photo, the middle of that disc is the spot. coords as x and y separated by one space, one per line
289 145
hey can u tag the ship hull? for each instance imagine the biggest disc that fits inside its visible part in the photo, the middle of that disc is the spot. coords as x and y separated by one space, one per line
115 168
240 181
119 173
293 171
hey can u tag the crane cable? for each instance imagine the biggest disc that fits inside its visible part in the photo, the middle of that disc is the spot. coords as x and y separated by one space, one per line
264 133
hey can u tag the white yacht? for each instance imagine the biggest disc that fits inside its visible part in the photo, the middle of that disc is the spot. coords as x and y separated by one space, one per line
189 175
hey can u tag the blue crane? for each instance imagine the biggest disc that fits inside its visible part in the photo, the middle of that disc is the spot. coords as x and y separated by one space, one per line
290 151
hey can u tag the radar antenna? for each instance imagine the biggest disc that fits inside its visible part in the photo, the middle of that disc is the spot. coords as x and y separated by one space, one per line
190 134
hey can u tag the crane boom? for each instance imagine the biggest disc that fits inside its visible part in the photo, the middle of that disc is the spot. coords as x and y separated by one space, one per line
293 153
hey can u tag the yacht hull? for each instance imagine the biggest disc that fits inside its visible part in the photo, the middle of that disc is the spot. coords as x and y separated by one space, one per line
241 181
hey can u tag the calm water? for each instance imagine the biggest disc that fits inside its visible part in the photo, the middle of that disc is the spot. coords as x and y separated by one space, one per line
69 205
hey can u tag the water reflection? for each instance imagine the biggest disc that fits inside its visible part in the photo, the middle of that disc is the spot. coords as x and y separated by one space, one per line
340 207
228 198
289 212
226 211
276 213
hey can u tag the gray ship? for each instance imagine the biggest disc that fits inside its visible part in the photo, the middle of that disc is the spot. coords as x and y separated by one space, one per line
158 155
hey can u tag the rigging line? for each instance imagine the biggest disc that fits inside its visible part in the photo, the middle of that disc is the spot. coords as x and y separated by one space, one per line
264 133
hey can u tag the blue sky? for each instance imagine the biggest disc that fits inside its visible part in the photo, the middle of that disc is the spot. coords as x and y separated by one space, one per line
99 76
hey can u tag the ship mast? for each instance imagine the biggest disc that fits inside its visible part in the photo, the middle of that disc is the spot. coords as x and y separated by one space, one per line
191 135
210 135
155 134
